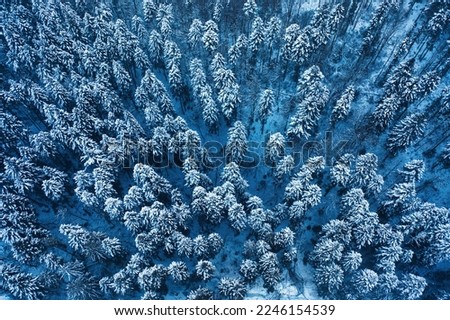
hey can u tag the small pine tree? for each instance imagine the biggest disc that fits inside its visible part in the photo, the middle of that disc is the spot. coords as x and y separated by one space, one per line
95 245
274 147
249 270
20 285
232 288
178 271
272 33
283 239
250 8
341 171
153 278
269 266
351 261
327 251
195 33
155 47
205 269
265 104
149 9
364 281
229 99
342 107
237 217
121 76
210 37
232 174
237 142
329 277
385 111
284 167
406 132
85 287
411 287
257 35
313 95
164 17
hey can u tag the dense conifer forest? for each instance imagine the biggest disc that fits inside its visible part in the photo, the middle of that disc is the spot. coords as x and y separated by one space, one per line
192 149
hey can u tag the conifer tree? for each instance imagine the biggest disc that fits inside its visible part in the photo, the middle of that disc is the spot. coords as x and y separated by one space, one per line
406 132
342 107
314 95
195 33
265 104
210 36
237 142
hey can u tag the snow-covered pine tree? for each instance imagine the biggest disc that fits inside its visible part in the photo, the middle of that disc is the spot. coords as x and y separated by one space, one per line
329 277
215 244
290 36
387 282
257 35
269 266
439 20
249 270
214 208
178 271
365 169
341 172
54 185
250 8
200 294
266 103
364 281
272 32
284 238
327 251
342 107
274 147
237 217
205 269
152 278
200 246
164 17
237 49
406 132
229 99
218 63
284 167
195 34
351 261
237 143
445 100
217 12
210 112
210 37
85 287
413 170
155 47
411 286
95 245
313 95
141 59
232 288
114 208
232 174
446 153
149 9
198 77
385 111
21 285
